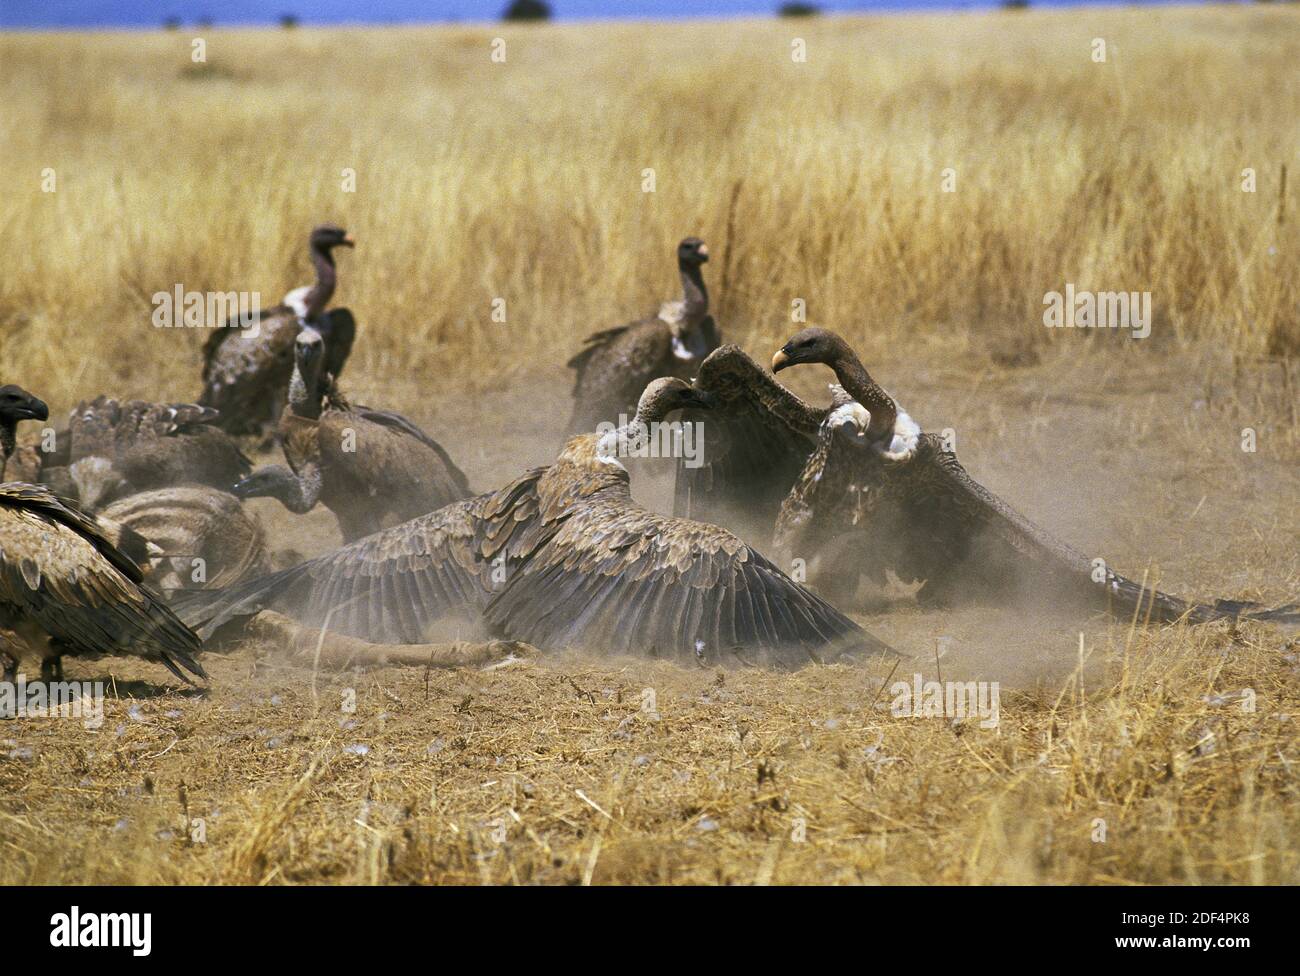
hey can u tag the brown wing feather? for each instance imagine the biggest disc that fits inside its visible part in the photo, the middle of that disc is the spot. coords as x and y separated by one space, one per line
427 577
614 369
58 570
617 578
936 522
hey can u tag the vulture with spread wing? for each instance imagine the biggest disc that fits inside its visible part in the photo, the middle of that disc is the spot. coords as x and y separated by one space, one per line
561 557
246 366
873 494
66 589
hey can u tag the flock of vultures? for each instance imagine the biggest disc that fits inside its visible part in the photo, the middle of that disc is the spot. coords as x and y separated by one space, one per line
123 530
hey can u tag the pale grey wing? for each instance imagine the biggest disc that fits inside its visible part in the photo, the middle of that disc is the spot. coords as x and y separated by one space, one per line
756 441
425 579
616 579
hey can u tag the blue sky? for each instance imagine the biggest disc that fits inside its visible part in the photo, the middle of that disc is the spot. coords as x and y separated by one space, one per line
151 13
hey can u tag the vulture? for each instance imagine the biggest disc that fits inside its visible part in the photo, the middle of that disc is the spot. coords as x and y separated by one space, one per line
562 556
16 405
26 464
117 447
202 536
244 377
66 589
371 468
615 365
860 483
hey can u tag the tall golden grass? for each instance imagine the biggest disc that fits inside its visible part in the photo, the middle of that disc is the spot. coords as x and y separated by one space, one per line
522 180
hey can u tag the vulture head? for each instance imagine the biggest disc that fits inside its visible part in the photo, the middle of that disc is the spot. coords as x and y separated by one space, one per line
273 481
692 252
811 345
98 481
308 360
326 237
664 395
17 404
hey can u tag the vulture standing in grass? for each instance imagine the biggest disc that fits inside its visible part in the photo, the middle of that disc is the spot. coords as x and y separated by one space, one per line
560 557
118 447
244 378
203 537
882 496
65 589
615 365
371 468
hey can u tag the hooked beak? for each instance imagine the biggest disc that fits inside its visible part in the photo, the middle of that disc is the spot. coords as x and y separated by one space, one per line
246 487
780 361
349 240
34 410
703 252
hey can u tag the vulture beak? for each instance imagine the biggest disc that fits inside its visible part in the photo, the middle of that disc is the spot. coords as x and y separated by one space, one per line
780 361
349 240
36 410
703 252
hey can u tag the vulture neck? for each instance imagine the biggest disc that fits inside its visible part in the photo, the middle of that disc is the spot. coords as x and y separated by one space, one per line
857 383
695 296
304 394
8 441
321 292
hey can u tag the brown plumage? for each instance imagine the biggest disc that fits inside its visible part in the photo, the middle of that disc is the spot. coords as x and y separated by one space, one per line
65 589
202 536
874 494
118 447
615 365
245 377
560 557
371 468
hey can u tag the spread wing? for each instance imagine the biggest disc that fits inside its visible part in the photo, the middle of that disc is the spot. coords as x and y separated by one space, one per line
426 578
757 439
617 578
936 522
59 570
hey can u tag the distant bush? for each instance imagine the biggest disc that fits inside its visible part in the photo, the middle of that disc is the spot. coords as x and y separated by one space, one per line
289 21
1015 4
798 10
171 23
527 10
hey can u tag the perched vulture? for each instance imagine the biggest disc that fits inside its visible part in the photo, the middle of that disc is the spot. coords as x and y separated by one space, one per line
202 537
244 377
615 365
560 557
371 468
118 447
866 490
66 589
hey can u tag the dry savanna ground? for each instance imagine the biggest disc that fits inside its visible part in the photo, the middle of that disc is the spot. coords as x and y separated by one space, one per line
1125 753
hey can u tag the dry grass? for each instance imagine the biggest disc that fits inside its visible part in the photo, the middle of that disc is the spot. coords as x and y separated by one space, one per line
556 773
522 180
